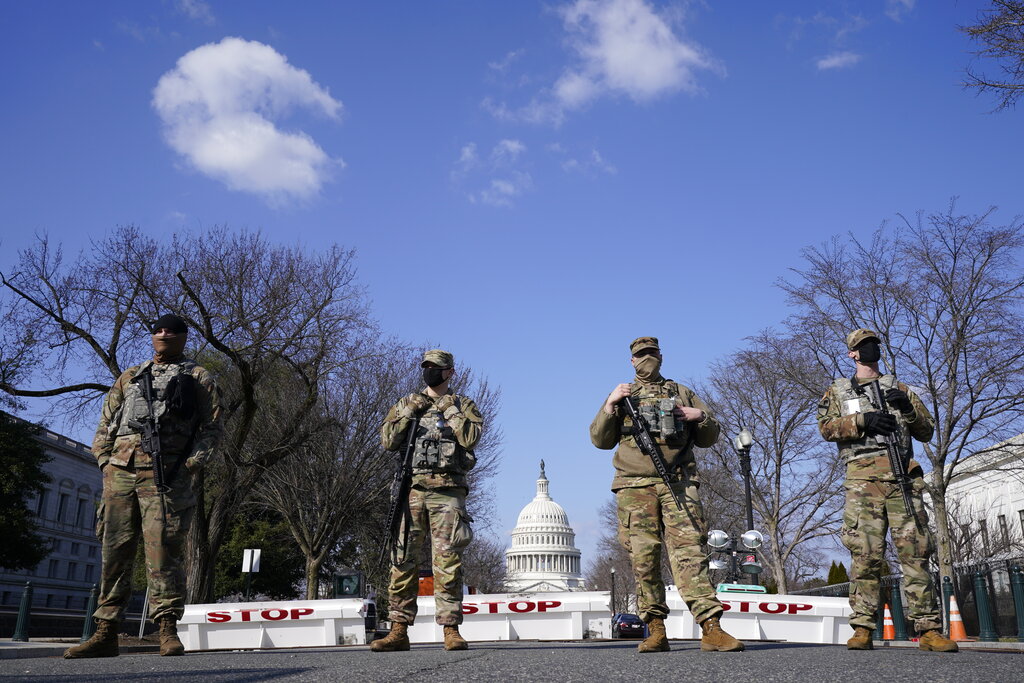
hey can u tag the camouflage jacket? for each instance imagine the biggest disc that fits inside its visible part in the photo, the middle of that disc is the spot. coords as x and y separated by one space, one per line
841 420
464 420
632 467
118 442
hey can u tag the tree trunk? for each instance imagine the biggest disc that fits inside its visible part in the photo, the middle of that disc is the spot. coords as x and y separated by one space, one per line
196 557
313 576
943 545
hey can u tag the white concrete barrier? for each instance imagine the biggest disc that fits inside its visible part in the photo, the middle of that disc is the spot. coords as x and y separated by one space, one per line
766 616
517 616
526 616
254 625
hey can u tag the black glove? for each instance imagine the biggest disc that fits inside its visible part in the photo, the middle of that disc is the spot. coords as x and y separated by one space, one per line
898 398
879 424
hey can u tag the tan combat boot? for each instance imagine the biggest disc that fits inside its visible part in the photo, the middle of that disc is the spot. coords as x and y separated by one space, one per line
453 640
861 639
395 641
717 640
170 646
934 641
657 641
102 644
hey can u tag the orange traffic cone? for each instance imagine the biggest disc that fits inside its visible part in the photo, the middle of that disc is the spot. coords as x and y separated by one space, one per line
956 623
888 628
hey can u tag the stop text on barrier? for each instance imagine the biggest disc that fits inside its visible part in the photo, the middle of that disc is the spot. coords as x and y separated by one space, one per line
510 607
268 614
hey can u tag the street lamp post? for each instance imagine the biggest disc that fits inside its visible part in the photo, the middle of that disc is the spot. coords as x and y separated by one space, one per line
742 444
613 590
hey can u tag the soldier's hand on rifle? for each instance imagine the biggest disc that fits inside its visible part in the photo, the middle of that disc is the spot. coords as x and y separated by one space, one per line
898 399
879 424
414 406
618 393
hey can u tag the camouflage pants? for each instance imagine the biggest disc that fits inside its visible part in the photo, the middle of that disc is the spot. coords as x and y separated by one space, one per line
131 508
441 513
873 507
648 513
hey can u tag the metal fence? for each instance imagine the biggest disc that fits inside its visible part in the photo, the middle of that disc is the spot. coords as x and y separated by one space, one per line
996 579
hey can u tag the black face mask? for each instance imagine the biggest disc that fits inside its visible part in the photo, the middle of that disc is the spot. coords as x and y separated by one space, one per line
870 352
432 376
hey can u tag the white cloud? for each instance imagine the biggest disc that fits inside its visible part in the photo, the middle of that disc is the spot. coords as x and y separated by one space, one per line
589 164
838 60
218 106
501 191
625 46
620 47
498 174
507 151
196 10
506 61
895 9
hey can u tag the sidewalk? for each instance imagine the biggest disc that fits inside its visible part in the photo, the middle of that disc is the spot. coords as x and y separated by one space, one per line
54 647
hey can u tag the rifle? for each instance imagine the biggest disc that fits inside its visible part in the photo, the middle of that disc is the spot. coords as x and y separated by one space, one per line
400 486
892 448
648 446
150 429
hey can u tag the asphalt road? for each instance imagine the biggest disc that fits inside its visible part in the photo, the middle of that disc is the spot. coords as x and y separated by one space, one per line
575 661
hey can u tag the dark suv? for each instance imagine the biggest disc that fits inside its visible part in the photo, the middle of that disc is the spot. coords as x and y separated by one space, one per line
627 626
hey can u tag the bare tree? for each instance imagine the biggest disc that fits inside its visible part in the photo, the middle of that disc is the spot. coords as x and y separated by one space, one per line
611 555
267 317
1000 33
795 476
945 294
336 477
483 564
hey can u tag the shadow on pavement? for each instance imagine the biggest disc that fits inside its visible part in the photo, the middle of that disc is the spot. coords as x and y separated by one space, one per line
214 675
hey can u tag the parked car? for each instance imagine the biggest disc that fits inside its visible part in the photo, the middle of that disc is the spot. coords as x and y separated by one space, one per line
628 626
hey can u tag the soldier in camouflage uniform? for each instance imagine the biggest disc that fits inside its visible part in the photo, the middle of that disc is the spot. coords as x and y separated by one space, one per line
187 407
647 512
874 502
448 428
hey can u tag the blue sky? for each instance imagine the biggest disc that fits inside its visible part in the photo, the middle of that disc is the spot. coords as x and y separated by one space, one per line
563 176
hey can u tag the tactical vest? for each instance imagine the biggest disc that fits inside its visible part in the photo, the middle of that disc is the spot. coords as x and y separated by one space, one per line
852 401
134 408
436 449
655 402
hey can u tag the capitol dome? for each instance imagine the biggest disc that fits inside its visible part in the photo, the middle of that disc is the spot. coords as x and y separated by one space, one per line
543 556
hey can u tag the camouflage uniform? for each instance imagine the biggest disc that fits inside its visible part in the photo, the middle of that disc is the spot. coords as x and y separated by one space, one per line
437 500
874 502
646 510
130 506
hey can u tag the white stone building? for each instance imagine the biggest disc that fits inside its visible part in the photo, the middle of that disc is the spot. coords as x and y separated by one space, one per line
543 556
985 500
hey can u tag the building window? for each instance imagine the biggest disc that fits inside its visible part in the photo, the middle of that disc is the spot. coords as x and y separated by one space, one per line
49 599
67 601
80 513
1004 531
54 565
983 525
1020 513
74 548
62 507
72 571
56 544
89 568
92 551
41 505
